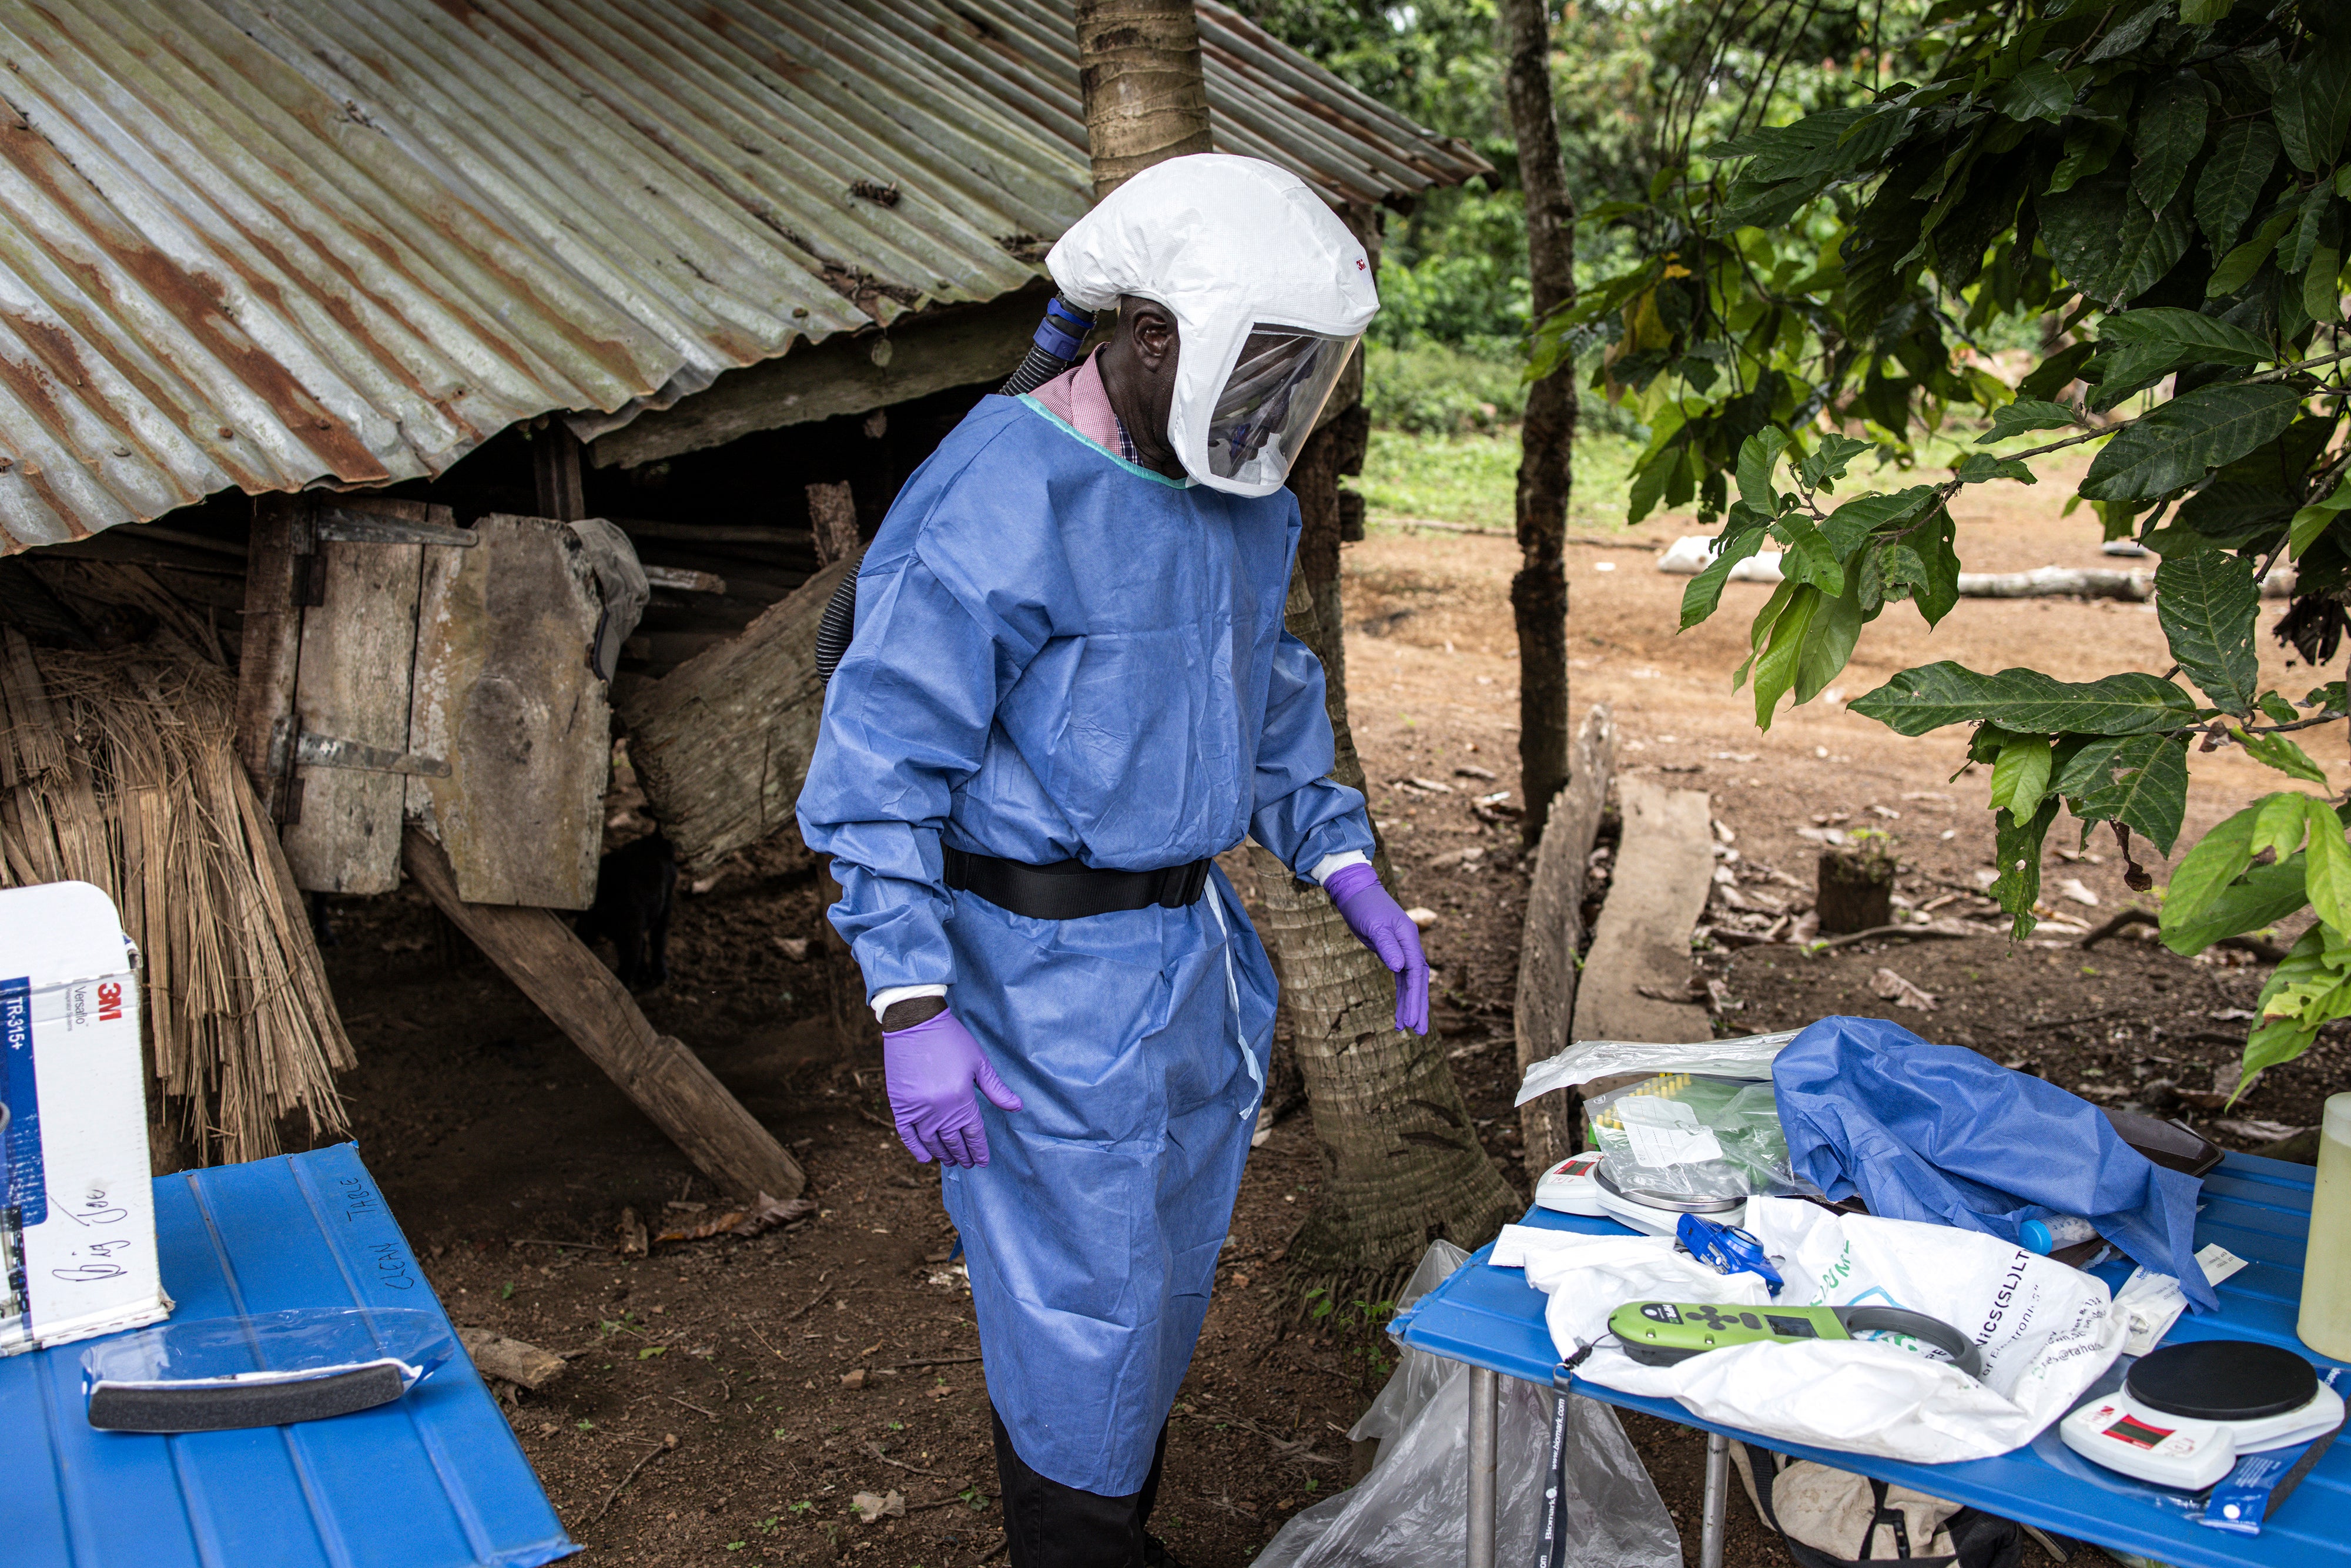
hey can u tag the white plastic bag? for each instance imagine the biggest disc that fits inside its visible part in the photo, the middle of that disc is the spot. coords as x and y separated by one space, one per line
1748 1056
2046 1330
1412 1510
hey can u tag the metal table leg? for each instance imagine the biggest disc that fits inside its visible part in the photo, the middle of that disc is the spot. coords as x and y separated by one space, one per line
1485 1403
1717 1498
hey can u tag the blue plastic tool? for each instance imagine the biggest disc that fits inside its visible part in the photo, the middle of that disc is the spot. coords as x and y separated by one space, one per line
1727 1249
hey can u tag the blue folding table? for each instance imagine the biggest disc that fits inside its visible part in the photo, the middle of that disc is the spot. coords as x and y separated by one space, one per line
2259 1209
434 1479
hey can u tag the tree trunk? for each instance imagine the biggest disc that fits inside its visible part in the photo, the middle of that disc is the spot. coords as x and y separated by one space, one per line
1539 591
1402 1163
1139 69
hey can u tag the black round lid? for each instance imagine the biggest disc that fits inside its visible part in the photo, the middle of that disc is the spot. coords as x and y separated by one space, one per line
2222 1380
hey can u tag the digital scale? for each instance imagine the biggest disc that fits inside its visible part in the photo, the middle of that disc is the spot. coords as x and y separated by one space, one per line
1654 1211
1568 1188
2185 1413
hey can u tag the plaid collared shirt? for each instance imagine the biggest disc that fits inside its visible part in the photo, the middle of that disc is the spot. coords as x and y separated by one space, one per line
1125 442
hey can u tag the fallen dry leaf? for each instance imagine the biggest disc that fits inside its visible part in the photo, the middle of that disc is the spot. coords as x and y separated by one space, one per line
2072 888
1899 991
872 1508
764 1215
633 1234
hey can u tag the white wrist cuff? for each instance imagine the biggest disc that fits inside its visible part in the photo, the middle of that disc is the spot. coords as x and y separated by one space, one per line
1329 863
882 999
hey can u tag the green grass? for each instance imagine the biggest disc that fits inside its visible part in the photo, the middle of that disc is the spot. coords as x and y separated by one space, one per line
1473 479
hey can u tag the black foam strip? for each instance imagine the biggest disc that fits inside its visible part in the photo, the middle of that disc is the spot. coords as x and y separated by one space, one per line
221 1409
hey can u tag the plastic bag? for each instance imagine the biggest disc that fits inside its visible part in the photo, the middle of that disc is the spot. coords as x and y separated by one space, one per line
2046 1330
1412 1510
1694 1134
218 1374
1749 1056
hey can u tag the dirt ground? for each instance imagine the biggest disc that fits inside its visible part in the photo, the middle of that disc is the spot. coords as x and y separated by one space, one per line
704 1418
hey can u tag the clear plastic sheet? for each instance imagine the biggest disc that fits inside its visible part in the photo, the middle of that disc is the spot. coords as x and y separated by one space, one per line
1694 1135
269 1347
1748 1056
1412 1510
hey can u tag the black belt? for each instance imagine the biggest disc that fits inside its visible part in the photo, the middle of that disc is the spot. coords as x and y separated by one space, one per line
1071 890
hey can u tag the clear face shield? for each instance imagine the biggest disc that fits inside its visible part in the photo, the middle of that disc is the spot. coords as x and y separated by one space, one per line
1270 402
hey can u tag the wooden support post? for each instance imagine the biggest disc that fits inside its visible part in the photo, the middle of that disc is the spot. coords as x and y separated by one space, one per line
555 465
832 520
275 576
1553 939
555 969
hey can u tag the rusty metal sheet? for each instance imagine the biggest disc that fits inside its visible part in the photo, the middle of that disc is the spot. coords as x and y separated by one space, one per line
263 245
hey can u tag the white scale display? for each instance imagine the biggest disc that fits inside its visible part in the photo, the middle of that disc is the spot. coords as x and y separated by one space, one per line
2186 1413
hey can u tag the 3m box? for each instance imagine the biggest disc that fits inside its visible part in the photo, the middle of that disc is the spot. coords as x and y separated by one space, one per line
76 1206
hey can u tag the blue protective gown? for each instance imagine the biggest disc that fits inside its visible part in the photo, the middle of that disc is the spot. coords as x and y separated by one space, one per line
1061 655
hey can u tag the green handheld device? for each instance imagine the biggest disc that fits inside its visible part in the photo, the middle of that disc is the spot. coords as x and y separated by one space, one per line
1660 1333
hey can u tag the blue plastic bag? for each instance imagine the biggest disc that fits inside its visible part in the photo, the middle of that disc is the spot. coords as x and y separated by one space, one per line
1939 1134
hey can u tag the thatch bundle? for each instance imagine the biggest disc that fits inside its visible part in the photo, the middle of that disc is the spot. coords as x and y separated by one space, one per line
120 768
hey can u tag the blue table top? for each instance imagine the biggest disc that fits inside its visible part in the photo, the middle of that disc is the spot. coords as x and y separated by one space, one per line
2257 1208
434 1479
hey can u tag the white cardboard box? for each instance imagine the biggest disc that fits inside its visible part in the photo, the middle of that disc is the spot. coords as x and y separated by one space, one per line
78 1208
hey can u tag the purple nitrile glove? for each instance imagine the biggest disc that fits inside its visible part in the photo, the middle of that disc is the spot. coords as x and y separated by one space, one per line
930 1069
1380 923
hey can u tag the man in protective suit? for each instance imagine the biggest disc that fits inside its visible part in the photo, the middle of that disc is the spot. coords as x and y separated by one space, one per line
1069 689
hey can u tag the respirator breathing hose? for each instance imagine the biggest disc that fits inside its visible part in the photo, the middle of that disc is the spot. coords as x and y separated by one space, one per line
1054 348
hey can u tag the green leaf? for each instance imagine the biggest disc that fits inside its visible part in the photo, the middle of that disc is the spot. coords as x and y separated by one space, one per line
1758 456
2204 872
2314 519
2279 823
1979 466
1936 590
2267 894
1775 667
2307 990
2131 703
2016 842
1807 557
2313 106
2049 377
2139 346
1705 590
2108 242
2020 776
2182 440
1825 467
2328 872
2026 413
2232 182
2278 708
2139 781
2279 752
2203 13
2206 603
2238 268
2038 91
1865 515
2170 134
1828 643
2321 290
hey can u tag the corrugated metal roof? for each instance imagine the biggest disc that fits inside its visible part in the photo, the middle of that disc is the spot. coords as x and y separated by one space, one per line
259 246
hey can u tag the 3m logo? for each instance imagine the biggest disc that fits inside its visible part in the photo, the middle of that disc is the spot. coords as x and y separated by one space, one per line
1362 266
109 1003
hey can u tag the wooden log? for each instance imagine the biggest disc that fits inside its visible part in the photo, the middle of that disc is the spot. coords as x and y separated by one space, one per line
832 519
272 645
2057 582
721 743
555 472
977 345
1664 866
566 982
1555 937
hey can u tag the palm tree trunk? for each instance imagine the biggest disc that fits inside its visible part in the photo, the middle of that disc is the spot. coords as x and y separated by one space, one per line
1139 70
1402 1163
1539 591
